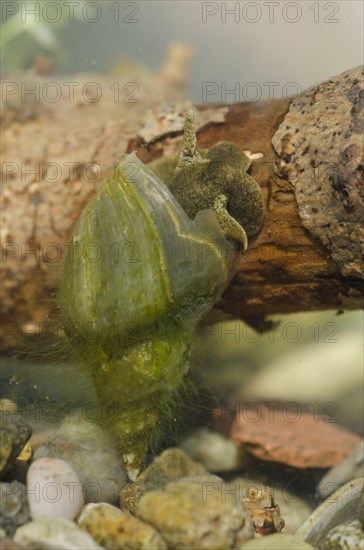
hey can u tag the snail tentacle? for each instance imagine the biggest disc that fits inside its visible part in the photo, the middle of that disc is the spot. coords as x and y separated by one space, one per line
188 156
229 226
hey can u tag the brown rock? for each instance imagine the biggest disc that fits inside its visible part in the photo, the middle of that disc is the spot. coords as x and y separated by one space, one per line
289 436
193 513
112 528
8 544
14 434
322 152
171 465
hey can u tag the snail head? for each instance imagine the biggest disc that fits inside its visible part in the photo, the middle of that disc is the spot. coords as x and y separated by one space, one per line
217 179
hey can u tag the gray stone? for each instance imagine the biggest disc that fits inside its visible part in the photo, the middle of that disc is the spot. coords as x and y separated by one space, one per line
14 509
213 450
94 456
350 468
344 537
339 508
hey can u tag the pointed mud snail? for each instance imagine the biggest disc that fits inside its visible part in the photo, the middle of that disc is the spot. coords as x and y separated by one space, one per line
131 317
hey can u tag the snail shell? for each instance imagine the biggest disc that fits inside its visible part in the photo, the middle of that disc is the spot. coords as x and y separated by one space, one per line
138 276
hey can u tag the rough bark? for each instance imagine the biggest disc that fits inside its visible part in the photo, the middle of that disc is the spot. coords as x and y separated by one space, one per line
308 255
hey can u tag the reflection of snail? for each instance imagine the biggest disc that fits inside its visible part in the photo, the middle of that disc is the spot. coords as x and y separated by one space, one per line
132 316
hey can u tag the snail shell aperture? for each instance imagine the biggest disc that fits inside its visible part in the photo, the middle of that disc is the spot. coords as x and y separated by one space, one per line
131 308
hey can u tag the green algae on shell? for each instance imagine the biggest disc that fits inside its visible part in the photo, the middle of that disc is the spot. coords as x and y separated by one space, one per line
132 318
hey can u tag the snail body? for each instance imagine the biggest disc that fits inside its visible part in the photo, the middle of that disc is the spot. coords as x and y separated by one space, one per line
131 317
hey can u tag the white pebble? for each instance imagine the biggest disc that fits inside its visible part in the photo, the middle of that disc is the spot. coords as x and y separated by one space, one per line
215 451
54 534
53 489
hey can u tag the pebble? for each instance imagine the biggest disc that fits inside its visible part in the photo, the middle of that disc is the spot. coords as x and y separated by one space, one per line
112 528
54 534
339 508
292 437
94 456
171 465
193 513
14 508
277 541
53 489
346 536
14 434
350 468
216 452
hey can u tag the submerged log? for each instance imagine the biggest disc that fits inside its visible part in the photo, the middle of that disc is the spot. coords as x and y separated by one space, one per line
309 254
